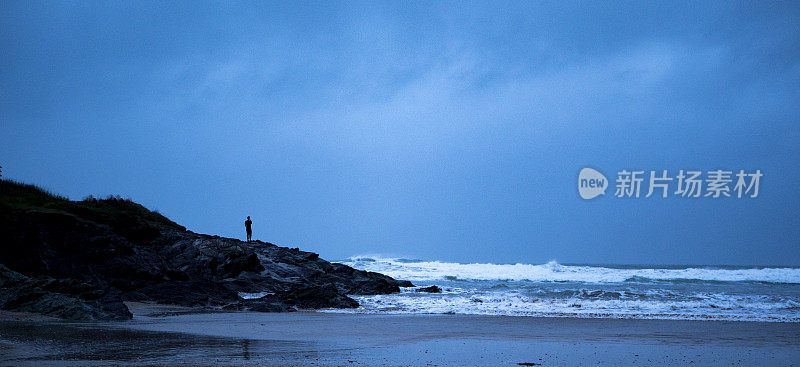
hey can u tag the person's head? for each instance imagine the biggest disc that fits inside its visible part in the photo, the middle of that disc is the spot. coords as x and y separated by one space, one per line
248 217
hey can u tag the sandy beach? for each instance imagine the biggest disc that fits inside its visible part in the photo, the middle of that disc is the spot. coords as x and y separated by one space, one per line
163 336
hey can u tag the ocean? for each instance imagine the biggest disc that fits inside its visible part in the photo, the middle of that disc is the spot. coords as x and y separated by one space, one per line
731 293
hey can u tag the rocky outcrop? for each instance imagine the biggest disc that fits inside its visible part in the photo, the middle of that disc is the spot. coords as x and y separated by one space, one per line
431 289
81 260
68 299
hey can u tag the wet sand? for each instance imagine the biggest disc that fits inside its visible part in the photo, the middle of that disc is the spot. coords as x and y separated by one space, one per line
174 336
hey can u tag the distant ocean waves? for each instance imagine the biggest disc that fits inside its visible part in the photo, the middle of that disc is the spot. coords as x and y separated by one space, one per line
407 269
556 290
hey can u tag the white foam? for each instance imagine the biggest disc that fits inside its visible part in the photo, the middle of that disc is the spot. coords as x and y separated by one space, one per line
708 307
586 291
552 271
257 295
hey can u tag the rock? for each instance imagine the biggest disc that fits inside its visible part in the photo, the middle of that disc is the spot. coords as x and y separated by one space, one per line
263 304
81 259
271 307
431 289
185 293
40 295
404 283
238 263
313 297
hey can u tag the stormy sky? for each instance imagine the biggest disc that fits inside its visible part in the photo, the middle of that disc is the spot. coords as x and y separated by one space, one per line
433 130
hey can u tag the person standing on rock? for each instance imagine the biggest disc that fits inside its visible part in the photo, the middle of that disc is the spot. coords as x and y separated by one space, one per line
248 225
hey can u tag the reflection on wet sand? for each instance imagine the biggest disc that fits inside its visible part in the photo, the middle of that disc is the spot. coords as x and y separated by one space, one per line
37 343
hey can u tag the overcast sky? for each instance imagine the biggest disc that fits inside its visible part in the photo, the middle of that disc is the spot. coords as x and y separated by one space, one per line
433 130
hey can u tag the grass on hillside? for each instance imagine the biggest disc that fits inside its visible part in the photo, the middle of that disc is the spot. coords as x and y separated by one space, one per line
114 211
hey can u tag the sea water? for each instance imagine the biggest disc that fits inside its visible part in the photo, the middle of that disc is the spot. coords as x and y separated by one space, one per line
599 291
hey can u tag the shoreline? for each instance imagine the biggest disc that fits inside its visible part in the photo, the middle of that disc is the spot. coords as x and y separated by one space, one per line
333 339
571 316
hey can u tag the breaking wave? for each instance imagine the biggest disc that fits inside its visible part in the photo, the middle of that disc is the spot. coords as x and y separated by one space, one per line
556 290
555 272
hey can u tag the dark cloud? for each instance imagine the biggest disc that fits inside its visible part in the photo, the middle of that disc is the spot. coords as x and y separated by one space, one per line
414 128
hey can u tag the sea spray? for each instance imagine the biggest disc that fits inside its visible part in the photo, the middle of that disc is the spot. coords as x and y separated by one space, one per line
563 290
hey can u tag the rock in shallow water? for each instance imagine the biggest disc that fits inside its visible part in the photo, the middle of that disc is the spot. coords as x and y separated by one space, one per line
431 289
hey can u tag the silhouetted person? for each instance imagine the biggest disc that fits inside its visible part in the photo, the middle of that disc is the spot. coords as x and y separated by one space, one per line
248 226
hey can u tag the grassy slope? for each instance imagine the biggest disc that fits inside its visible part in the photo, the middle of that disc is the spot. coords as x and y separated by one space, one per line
123 215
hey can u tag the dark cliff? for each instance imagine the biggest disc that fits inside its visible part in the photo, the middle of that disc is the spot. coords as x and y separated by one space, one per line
81 259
